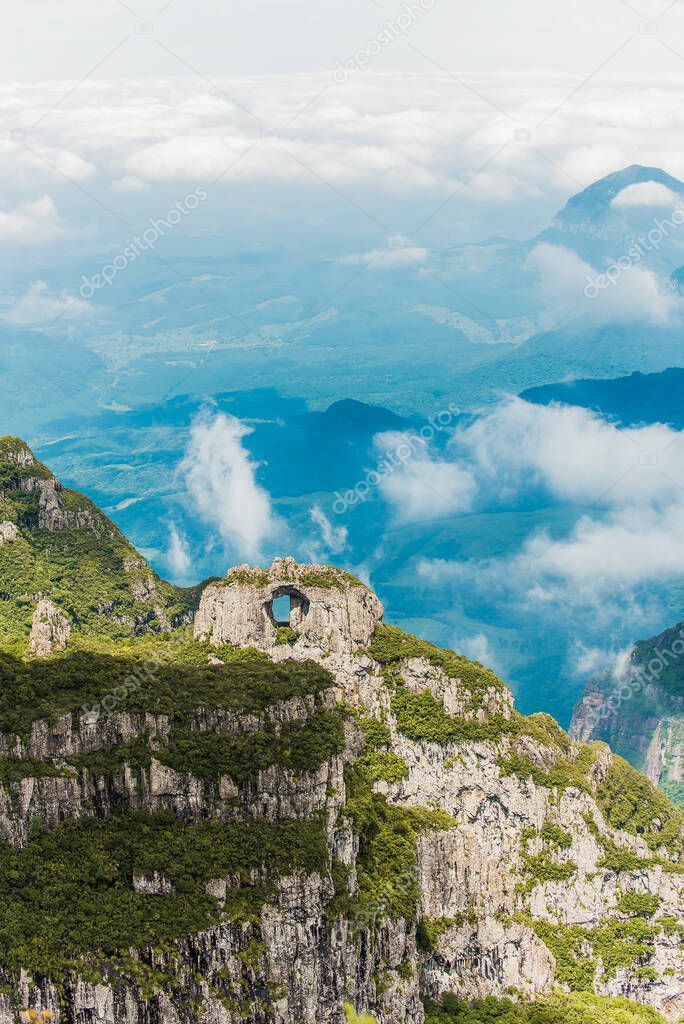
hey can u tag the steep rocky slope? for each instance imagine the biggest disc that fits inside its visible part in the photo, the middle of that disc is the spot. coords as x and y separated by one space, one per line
267 814
58 548
639 710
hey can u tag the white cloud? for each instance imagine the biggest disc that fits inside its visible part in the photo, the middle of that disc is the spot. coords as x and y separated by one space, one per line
178 555
419 487
385 132
38 305
477 648
221 480
128 183
646 193
587 660
31 223
387 259
633 294
629 547
574 454
334 537
631 480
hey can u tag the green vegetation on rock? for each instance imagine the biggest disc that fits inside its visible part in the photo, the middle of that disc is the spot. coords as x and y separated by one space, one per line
286 635
629 801
638 904
384 765
561 775
422 718
88 866
545 866
79 560
390 645
430 930
160 675
386 867
577 1008
300 746
619 944
330 578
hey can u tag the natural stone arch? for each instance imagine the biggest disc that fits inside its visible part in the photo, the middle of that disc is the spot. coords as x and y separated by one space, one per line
331 611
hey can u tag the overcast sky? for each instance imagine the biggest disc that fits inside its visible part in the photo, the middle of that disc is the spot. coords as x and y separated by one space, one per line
40 39
499 109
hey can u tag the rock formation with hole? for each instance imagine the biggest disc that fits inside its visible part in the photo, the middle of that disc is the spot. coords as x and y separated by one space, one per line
332 613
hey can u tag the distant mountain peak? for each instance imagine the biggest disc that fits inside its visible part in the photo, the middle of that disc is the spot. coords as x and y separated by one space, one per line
592 213
606 189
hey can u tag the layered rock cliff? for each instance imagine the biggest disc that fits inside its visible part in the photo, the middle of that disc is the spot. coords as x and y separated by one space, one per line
639 710
273 812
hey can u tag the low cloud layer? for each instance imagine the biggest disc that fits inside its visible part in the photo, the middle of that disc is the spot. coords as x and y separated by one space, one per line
388 259
421 486
647 193
39 305
630 294
178 556
220 477
627 486
31 223
497 138
333 538
573 455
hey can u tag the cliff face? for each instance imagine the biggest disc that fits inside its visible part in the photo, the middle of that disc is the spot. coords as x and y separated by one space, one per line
639 711
260 833
269 813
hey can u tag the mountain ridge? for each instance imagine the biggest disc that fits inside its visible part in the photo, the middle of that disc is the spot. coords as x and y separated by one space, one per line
632 400
58 547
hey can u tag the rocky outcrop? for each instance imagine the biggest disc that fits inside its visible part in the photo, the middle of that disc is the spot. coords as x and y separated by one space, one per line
638 709
330 611
8 531
51 535
50 629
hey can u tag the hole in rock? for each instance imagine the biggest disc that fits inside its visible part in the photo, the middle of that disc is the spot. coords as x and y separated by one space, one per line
282 608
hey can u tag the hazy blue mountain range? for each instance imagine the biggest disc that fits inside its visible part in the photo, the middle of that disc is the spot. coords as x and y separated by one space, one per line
404 328
639 398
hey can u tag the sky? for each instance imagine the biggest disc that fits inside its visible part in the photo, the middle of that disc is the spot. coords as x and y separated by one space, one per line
105 106
42 40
